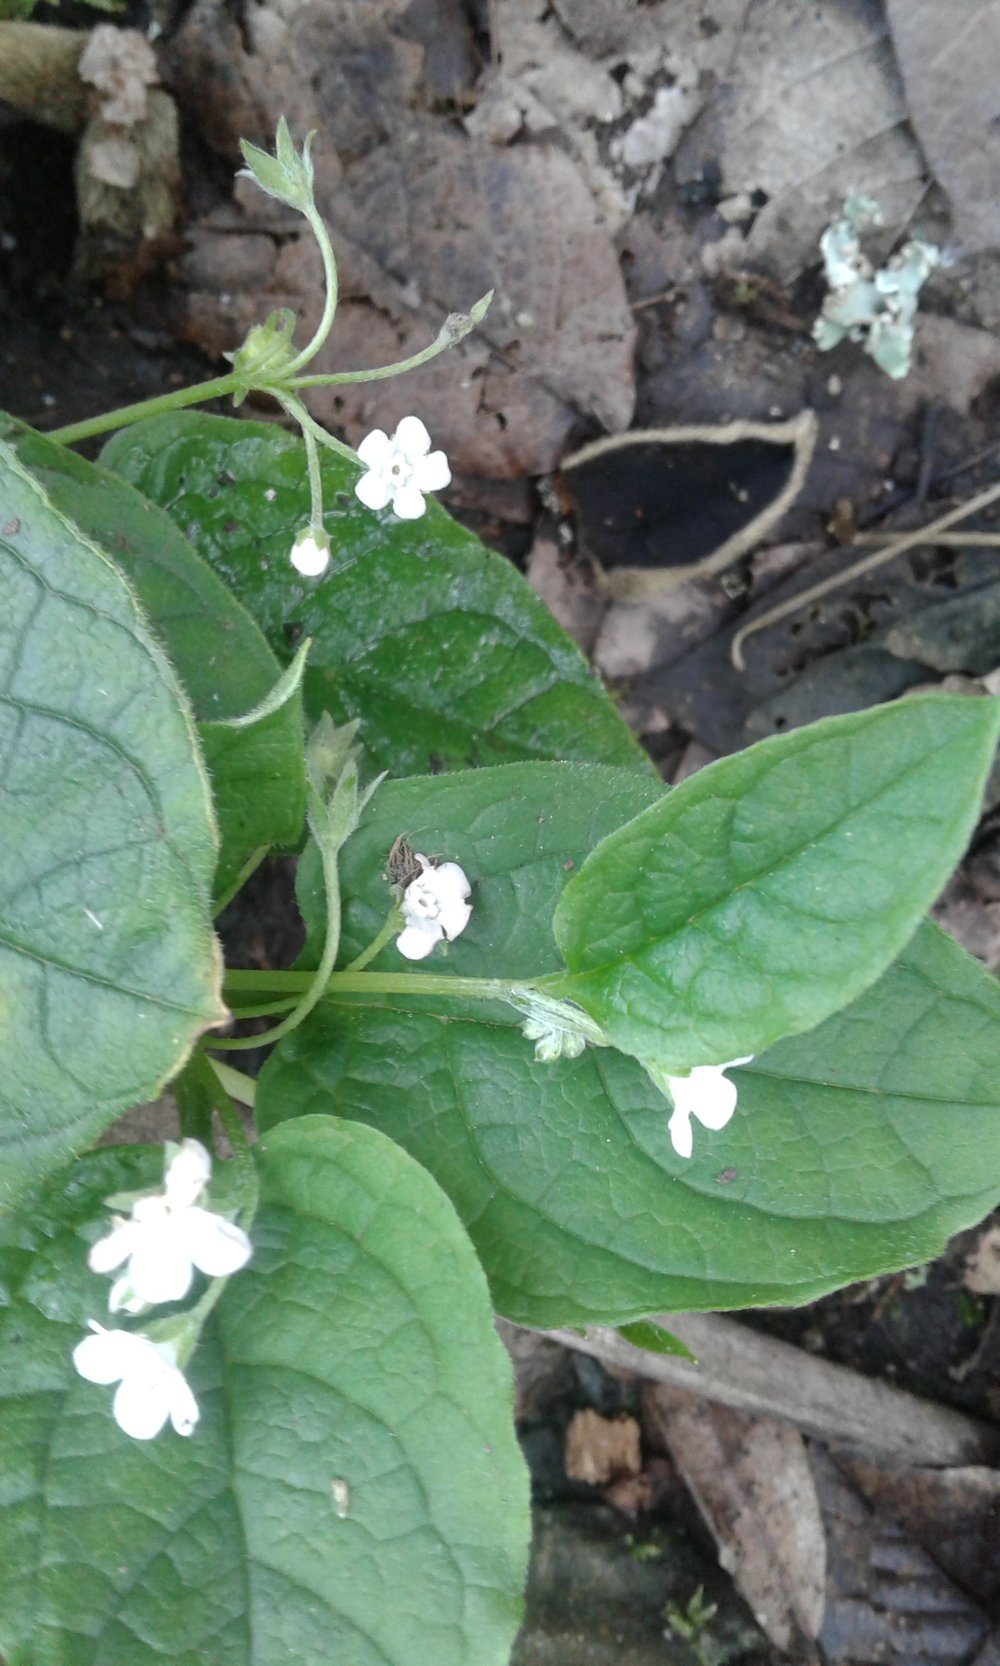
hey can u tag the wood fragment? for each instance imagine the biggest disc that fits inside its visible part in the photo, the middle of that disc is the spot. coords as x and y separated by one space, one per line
739 1367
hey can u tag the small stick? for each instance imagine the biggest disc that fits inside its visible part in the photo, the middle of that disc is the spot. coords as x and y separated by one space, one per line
899 546
741 1368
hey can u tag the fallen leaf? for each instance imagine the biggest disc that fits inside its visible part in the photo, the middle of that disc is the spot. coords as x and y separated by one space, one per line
888 1602
950 62
601 1449
811 109
982 1266
953 1513
751 1480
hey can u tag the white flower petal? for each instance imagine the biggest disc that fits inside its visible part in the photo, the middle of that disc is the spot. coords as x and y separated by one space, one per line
418 938
451 882
681 1137
310 556
188 1173
215 1245
408 503
454 917
123 1298
107 1355
432 473
412 439
160 1269
109 1253
373 490
375 449
184 1412
141 1404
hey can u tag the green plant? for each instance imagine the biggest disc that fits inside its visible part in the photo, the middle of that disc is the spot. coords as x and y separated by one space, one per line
528 967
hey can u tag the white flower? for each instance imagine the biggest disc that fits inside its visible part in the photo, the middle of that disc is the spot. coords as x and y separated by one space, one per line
434 905
705 1094
151 1388
311 553
401 469
167 1236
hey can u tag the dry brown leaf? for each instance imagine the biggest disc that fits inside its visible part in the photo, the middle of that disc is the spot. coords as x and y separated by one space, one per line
601 1449
751 1480
425 220
950 61
812 108
953 1513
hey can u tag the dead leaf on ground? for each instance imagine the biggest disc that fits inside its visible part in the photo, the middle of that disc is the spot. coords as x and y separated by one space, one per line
811 109
425 219
950 62
751 1480
887 1601
953 1513
601 1449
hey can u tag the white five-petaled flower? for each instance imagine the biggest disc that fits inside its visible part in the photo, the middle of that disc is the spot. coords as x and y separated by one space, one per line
705 1094
435 905
151 1388
167 1236
401 469
311 553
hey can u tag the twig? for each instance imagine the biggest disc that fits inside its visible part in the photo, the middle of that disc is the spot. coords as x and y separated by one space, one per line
741 1368
899 546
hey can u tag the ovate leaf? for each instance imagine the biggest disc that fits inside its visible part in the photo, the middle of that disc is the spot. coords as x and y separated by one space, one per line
435 643
518 830
108 966
353 1491
771 888
217 650
855 1149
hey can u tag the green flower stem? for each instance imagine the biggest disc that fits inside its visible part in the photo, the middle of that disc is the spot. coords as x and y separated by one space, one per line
381 373
315 984
322 330
296 410
309 425
73 432
393 924
352 982
267 1009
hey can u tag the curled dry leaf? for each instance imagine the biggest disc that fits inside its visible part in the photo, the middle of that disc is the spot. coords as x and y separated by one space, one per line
751 1480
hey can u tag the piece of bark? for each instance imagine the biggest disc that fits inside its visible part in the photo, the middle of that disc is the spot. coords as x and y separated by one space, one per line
741 1368
601 1449
950 62
750 1478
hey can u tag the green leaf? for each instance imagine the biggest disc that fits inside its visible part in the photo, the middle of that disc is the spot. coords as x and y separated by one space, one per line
436 643
518 830
656 1339
108 966
353 1491
218 652
774 886
856 1149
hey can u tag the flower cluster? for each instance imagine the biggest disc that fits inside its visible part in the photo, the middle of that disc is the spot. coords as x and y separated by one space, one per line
159 1245
435 905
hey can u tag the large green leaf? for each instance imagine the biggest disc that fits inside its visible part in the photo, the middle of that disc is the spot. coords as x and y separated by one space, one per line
855 1149
353 1492
770 889
108 965
518 830
217 650
437 644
